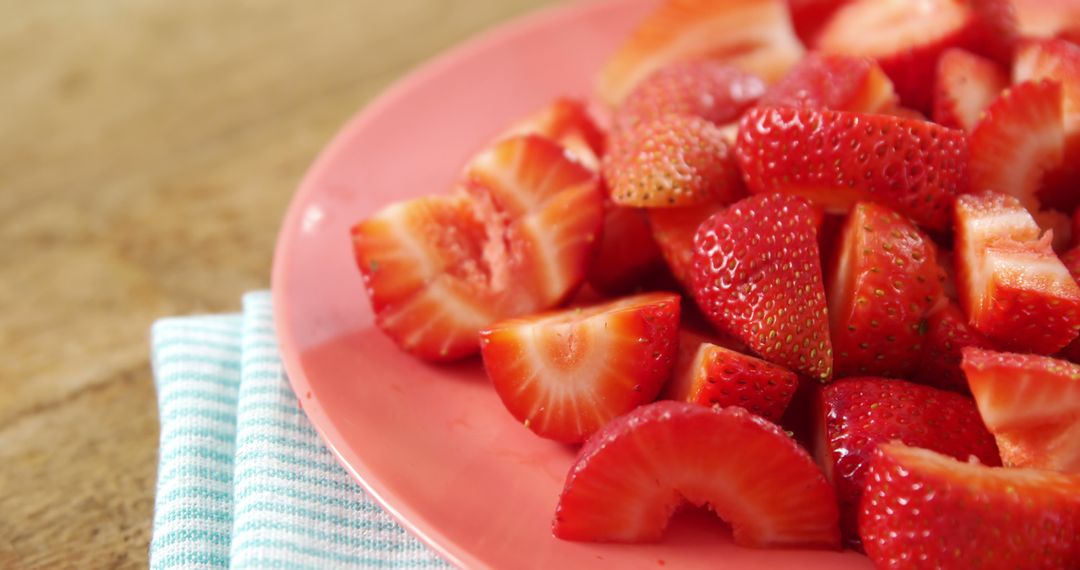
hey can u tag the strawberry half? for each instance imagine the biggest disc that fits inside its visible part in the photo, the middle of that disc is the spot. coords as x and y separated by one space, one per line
711 90
1013 288
885 281
923 510
810 16
632 475
843 83
627 254
717 376
673 230
755 35
856 414
566 374
1059 61
837 159
907 38
1032 406
671 162
517 240
964 87
757 276
947 334
1020 138
567 122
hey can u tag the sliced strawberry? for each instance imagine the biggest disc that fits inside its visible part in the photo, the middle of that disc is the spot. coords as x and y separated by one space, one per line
1058 225
1020 138
755 35
1013 288
856 414
671 162
1032 406
947 334
1057 60
757 276
907 38
566 374
884 283
810 16
674 229
843 83
717 376
517 240
964 87
712 90
837 158
633 474
1046 18
627 254
567 122
923 510
1071 259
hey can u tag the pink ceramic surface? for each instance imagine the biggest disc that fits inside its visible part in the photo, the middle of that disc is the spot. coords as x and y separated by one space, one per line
434 444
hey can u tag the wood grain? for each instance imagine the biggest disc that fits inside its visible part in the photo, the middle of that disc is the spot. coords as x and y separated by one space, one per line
148 149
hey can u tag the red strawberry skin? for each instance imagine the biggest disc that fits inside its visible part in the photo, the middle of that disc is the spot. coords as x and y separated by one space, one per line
674 161
1032 406
710 90
838 159
757 276
840 82
1012 286
965 86
1020 138
627 254
717 376
885 282
565 374
857 414
632 475
673 230
947 334
923 510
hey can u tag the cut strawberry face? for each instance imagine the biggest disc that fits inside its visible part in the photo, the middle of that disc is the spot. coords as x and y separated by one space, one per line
717 376
885 282
964 87
632 475
947 334
671 162
515 241
755 35
907 38
627 254
857 414
843 83
674 229
921 509
1059 61
1019 139
810 16
1032 406
566 374
757 276
711 90
1013 288
838 158
567 122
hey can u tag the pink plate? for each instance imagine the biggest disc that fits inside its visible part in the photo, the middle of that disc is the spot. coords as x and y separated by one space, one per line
433 444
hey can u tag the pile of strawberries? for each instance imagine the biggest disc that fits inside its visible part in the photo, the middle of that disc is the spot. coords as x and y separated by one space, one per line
842 226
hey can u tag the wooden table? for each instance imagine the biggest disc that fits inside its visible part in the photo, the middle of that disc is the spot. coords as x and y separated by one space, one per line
148 149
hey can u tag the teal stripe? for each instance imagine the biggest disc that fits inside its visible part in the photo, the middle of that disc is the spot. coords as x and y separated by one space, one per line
202 394
294 477
192 534
351 540
299 429
262 360
233 345
194 492
192 513
270 563
181 377
285 457
292 546
192 432
248 406
222 474
280 441
282 490
260 345
188 359
380 522
202 559
183 411
277 388
193 450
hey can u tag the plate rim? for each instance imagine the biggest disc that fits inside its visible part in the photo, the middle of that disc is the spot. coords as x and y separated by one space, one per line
490 38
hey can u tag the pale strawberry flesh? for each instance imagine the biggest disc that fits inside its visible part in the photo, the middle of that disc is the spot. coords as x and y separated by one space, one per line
631 476
964 87
566 374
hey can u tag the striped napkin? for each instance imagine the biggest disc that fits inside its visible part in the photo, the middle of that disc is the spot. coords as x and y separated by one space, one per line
243 479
